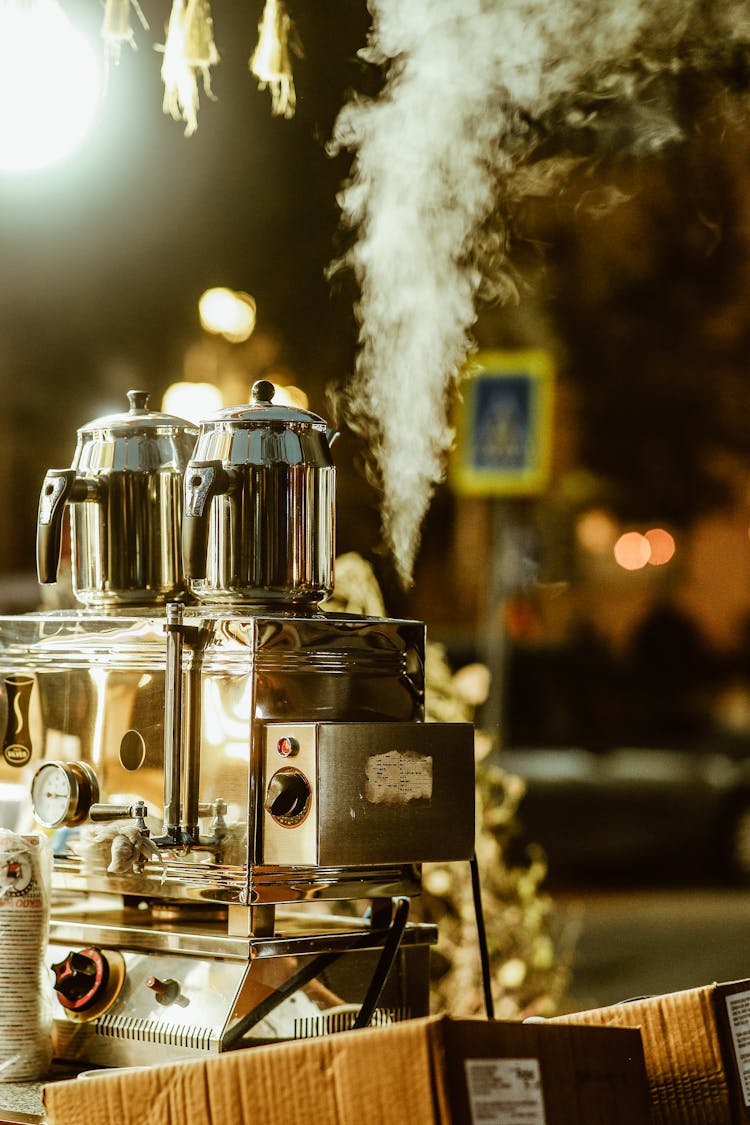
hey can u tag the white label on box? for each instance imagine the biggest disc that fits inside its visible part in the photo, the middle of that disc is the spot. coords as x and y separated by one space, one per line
738 1007
505 1091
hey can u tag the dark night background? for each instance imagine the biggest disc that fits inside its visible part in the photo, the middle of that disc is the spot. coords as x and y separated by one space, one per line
103 258
643 304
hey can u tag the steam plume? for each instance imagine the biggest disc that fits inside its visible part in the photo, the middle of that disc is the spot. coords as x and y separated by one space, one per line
470 90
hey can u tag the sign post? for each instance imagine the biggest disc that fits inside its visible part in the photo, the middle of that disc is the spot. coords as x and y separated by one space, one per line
503 453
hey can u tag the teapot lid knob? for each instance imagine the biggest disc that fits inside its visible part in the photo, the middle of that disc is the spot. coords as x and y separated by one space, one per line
138 402
263 392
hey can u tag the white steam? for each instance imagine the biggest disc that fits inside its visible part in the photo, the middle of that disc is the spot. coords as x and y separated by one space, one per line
438 153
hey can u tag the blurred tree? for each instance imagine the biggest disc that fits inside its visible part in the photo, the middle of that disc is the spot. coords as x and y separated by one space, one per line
651 302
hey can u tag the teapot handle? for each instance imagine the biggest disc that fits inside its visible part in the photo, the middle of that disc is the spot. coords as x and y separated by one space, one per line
56 491
203 481
59 487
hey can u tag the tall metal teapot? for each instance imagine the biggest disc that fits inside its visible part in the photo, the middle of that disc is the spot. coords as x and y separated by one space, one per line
124 492
259 517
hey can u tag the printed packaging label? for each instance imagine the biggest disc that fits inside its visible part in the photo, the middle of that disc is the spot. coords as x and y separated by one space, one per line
505 1091
738 1009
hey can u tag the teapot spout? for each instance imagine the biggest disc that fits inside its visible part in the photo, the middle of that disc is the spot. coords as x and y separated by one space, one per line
332 436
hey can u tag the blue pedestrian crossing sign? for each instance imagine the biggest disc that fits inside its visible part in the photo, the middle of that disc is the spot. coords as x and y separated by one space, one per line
504 424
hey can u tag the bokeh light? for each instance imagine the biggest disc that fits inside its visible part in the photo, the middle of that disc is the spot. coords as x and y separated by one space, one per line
192 401
662 546
290 396
228 313
596 531
632 550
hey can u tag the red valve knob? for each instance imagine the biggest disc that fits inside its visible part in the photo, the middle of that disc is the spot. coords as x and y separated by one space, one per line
167 991
80 978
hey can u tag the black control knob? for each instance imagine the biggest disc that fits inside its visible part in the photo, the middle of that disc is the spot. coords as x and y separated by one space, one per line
288 797
81 978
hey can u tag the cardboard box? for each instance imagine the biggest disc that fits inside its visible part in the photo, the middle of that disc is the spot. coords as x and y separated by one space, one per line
697 1049
434 1071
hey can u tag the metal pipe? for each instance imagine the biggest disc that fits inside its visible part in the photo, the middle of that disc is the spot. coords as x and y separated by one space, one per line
191 758
173 720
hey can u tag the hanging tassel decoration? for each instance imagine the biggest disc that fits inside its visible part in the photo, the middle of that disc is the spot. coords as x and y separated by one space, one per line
271 62
189 53
117 28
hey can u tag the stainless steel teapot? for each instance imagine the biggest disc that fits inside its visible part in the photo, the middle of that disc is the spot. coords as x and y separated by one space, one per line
259 516
125 494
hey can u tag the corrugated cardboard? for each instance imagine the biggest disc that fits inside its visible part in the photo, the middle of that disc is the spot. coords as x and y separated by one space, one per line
697 1049
413 1072
583 1080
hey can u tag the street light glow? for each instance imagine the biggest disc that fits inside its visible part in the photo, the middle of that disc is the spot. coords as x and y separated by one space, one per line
49 85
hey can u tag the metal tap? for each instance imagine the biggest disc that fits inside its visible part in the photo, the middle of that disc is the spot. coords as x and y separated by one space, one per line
218 827
137 812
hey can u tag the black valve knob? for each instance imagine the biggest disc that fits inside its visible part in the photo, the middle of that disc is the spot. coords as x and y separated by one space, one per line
288 797
80 978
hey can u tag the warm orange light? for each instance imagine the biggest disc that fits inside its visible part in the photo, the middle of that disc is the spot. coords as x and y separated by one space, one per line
228 313
596 531
662 546
632 550
193 401
290 396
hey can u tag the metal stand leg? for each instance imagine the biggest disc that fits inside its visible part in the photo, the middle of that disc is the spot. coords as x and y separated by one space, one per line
484 956
385 963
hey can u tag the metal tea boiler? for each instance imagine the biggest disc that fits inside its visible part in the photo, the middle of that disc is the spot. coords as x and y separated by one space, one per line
219 771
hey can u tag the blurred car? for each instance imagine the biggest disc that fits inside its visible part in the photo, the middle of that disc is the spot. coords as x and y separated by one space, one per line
639 812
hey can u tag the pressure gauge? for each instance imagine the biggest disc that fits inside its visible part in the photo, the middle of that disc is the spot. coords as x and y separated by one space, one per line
63 793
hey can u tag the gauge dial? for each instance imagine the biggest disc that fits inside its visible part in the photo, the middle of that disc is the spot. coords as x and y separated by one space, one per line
63 793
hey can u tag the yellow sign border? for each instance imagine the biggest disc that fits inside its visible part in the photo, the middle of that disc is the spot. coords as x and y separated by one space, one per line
469 479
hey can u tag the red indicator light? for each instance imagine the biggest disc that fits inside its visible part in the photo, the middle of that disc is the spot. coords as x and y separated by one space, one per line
287 746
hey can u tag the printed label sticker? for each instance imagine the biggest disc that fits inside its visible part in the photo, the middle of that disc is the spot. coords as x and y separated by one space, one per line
396 778
505 1091
738 1008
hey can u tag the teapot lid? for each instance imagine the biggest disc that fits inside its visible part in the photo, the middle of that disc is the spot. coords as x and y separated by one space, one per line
138 418
261 410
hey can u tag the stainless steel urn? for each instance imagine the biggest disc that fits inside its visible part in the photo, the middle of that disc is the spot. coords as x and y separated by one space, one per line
125 493
259 518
